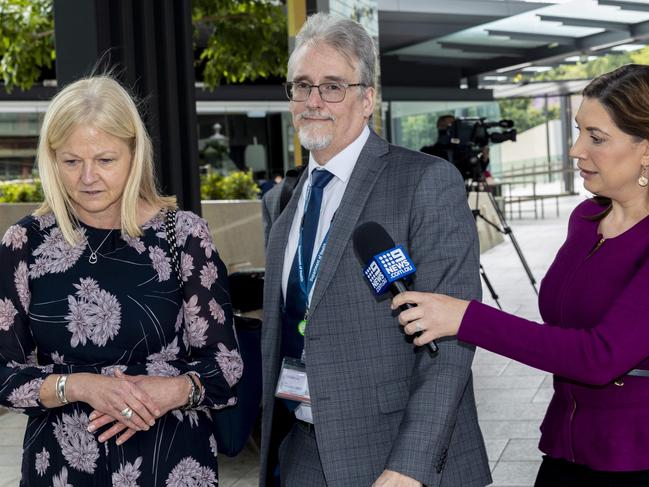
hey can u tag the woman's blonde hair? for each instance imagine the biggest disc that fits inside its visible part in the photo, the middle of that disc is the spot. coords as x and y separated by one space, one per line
99 101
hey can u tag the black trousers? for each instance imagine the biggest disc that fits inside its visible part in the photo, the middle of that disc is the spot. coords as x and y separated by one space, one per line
561 473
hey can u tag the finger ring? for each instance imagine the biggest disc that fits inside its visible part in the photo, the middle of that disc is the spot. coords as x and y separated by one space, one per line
127 412
418 328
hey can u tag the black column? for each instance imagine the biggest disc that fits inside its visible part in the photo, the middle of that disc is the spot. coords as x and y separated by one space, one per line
148 44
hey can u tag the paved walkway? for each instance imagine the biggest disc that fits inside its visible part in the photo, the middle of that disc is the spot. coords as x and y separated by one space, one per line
511 397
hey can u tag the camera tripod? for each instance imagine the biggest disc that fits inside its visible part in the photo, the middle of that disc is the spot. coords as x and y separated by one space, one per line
478 186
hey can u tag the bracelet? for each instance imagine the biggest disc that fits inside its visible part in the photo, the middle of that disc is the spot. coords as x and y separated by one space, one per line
60 388
194 396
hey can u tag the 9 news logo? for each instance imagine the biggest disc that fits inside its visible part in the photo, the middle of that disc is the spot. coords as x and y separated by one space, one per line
376 278
395 263
387 267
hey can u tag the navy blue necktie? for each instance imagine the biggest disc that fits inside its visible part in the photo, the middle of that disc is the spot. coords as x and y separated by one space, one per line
296 298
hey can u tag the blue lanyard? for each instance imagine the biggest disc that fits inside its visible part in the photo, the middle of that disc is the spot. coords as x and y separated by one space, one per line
307 282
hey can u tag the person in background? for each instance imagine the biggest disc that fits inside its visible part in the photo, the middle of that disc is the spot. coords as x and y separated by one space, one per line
380 413
115 362
595 336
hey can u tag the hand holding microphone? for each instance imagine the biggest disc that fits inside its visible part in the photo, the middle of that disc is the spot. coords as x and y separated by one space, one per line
429 316
385 266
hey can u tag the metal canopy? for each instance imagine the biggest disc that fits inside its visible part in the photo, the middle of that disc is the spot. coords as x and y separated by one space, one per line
441 42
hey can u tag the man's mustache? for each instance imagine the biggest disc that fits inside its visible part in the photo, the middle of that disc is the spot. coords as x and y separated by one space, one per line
316 115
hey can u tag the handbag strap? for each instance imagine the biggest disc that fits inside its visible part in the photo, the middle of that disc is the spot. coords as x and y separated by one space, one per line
170 231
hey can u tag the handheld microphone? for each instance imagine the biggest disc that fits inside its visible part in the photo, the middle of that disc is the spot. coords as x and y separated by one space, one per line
385 264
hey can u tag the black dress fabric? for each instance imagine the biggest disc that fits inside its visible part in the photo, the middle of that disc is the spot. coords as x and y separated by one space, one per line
60 313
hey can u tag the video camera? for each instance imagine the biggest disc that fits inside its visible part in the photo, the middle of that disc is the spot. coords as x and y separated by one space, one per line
463 143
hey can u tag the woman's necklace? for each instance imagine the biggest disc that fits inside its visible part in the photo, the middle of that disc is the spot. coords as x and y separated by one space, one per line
93 253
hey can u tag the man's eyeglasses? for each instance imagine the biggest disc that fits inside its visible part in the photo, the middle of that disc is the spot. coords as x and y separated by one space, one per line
329 92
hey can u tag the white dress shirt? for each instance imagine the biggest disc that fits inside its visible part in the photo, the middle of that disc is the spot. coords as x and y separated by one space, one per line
341 166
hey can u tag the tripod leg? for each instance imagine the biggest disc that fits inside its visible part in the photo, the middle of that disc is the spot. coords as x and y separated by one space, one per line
492 291
508 231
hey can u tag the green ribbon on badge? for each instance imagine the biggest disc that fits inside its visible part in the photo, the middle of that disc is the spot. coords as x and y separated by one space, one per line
301 327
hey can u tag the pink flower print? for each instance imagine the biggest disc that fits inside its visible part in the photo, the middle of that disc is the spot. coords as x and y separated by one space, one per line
217 311
161 263
128 474
78 324
55 255
87 288
61 480
230 363
136 243
42 462
186 225
21 280
46 220
156 223
57 358
191 415
110 370
202 232
26 395
170 352
186 266
105 315
161 369
209 274
196 333
190 473
7 313
31 361
15 237
191 309
95 316
213 446
79 447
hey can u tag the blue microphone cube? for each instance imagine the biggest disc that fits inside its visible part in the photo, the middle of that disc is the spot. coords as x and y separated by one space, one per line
387 267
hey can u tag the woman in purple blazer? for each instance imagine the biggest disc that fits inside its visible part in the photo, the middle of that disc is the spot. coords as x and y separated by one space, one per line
593 301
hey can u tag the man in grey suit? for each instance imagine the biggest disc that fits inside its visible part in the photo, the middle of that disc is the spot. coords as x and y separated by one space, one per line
378 411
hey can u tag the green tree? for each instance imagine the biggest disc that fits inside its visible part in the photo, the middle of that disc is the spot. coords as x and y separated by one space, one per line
244 40
595 67
247 39
26 41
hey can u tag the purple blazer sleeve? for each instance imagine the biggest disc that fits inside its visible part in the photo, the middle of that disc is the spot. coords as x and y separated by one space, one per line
615 345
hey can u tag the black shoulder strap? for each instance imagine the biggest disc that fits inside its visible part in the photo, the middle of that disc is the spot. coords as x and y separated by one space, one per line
170 231
288 185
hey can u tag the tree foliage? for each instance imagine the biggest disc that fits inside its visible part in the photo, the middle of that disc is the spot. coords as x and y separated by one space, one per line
596 67
26 41
243 40
247 39
524 113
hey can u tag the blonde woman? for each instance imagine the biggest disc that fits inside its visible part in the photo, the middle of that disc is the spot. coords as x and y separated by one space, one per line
115 357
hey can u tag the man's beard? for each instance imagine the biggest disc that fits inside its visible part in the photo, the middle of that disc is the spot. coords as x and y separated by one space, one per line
311 137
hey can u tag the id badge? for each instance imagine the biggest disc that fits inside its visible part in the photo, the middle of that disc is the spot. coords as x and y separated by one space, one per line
292 383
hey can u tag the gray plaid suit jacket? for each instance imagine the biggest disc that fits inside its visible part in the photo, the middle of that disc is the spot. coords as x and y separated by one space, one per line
379 403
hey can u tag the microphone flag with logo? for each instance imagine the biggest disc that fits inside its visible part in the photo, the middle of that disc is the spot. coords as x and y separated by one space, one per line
385 264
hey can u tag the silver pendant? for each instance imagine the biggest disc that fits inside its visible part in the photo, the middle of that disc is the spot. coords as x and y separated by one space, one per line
93 258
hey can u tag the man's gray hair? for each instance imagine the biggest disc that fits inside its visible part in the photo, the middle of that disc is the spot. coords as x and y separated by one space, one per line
346 36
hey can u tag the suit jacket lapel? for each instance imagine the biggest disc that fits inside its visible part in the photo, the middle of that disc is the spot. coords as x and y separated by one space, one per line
368 167
277 242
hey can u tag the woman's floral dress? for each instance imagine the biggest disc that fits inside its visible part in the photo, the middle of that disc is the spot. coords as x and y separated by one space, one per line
59 313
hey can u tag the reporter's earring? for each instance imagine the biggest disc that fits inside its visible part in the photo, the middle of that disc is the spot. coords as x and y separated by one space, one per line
643 180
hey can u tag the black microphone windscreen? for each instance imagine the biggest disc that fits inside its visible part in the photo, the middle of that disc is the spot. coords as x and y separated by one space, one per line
370 239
